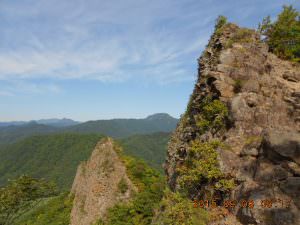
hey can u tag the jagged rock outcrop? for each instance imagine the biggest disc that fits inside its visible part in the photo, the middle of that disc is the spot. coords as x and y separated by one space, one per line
96 187
262 129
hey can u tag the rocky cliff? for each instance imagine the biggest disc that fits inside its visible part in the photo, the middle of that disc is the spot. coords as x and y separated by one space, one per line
100 183
239 138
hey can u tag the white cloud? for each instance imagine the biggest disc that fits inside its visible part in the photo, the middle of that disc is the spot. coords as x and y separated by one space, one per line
108 40
105 41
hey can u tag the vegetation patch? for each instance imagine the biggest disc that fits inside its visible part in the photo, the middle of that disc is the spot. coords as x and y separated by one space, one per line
178 210
242 35
212 117
219 25
150 184
283 34
20 195
52 211
123 186
202 168
150 147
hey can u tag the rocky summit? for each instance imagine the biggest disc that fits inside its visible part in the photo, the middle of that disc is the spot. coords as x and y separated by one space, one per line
97 183
239 138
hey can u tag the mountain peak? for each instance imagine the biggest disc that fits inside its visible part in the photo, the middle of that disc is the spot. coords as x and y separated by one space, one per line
98 182
160 116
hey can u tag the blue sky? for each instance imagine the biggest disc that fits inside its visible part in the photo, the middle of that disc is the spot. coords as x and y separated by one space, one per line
102 59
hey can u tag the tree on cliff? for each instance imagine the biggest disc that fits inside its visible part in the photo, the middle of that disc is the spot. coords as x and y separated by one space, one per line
19 195
283 35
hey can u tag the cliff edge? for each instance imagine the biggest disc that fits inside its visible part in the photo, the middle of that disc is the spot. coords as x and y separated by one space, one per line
239 138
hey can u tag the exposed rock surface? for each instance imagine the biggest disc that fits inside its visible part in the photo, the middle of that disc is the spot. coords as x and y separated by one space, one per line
96 185
262 93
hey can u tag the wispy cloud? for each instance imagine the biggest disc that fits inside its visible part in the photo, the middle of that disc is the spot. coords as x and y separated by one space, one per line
108 40
105 41
16 87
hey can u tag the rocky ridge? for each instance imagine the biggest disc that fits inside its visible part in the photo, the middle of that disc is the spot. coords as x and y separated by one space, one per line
96 187
260 134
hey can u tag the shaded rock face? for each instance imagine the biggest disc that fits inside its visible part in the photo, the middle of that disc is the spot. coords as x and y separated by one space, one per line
262 94
96 185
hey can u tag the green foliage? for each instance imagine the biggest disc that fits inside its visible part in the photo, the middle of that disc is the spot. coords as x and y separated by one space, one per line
123 186
212 117
140 173
202 167
225 184
178 210
19 195
220 22
242 35
283 35
99 222
11 134
52 211
150 147
53 157
140 210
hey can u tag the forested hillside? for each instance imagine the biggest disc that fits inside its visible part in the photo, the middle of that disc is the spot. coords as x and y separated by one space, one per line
120 128
150 147
54 157
12 134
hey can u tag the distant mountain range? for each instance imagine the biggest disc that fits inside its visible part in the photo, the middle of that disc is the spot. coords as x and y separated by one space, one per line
120 128
116 128
51 122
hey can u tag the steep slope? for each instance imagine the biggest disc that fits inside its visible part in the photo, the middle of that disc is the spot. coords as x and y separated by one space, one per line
239 137
114 189
96 185
53 156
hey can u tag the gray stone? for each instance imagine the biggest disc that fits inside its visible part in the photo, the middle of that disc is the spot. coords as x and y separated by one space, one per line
286 144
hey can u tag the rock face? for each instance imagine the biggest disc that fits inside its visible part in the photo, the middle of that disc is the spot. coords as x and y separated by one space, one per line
97 185
262 94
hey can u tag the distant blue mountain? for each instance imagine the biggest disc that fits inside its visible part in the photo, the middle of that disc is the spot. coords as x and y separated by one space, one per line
51 122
